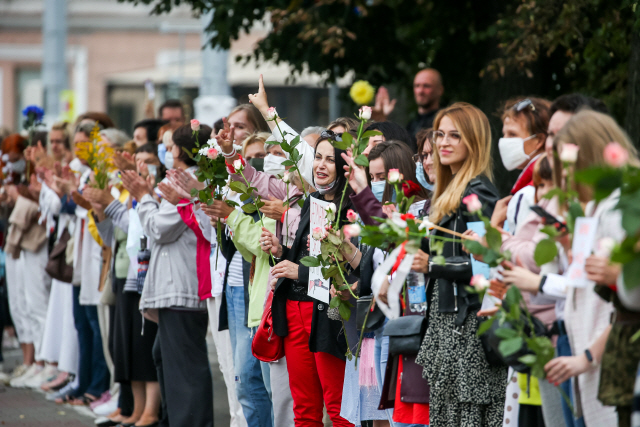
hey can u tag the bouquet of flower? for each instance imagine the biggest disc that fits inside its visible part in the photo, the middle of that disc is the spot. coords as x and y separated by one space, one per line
33 116
99 157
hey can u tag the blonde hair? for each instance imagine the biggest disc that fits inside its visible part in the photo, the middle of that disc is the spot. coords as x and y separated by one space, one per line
591 132
253 116
475 133
254 138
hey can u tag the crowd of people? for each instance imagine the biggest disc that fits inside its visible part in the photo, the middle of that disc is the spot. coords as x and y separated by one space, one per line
113 291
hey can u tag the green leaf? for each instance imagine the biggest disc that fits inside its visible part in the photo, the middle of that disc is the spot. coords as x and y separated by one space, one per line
546 251
362 160
474 247
301 202
528 359
295 141
244 197
238 187
188 152
370 133
249 208
335 301
494 238
310 261
347 139
439 260
259 204
340 145
506 333
345 311
550 231
336 240
288 163
194 192
510 346
484 326
285 146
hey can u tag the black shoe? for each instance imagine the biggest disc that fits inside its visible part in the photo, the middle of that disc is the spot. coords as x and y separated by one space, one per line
108 423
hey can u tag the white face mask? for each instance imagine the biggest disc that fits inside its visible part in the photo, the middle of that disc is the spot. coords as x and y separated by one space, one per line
512 152
77 166
273 164
168 160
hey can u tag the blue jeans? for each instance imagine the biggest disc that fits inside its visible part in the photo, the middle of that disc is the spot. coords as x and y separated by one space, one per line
564 349
250 386
93 374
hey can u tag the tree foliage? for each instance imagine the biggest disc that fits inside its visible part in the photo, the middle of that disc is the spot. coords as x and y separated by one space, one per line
545 47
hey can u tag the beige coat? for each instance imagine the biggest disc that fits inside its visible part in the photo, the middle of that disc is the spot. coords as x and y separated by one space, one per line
24 231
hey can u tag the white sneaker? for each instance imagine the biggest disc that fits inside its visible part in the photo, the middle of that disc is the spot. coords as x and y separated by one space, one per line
108 407
41 377
20 381
19 371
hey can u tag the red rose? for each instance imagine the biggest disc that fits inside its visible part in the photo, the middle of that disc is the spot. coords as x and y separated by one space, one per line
410 188
407 216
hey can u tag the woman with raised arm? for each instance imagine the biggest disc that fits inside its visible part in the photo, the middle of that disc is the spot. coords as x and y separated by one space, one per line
465 389
314 344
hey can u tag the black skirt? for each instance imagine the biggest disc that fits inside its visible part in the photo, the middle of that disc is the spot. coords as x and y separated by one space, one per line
133 338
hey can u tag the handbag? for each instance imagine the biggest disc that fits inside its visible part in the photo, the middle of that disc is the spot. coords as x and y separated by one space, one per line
375 317
266 345
405 334
57 266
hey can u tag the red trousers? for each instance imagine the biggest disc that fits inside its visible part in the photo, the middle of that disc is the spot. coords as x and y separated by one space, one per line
313 377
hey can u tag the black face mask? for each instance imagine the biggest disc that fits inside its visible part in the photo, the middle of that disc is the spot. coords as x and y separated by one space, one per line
258 164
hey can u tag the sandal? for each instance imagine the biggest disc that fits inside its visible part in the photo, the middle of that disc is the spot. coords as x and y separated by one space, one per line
84 400
67 398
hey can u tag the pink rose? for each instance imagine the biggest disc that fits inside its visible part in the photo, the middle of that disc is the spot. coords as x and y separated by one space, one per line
472 202
351 230
569 153
352 216
479 282
615 155
212 153
317 233
195 125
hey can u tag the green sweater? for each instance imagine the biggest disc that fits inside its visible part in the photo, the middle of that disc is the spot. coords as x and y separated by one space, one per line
246 237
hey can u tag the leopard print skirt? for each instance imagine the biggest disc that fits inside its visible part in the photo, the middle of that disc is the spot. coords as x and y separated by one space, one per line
465 390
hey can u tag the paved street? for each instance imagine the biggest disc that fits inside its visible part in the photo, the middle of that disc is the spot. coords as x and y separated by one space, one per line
23 408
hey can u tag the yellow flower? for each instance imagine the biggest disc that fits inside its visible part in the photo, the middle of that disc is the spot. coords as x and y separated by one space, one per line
362 92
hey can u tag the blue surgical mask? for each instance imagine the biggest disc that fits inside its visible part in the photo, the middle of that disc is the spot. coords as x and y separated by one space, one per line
378 189
421 179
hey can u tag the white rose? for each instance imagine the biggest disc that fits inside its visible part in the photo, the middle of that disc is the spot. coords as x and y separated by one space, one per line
364 113
237 165
394 176
331 208
271 113
569 153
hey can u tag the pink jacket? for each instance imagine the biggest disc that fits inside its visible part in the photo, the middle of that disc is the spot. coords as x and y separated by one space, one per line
203 249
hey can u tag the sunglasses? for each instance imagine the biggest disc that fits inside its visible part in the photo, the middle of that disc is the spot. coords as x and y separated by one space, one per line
329 134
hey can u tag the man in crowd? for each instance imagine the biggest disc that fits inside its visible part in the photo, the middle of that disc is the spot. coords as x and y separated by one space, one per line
172 112
427 91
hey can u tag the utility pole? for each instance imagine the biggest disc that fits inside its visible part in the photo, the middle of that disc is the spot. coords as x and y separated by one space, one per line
54 64
214 100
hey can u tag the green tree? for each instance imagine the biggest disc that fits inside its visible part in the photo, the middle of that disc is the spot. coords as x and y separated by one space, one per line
487 51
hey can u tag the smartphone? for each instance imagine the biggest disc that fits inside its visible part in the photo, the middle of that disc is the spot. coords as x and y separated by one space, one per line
550 219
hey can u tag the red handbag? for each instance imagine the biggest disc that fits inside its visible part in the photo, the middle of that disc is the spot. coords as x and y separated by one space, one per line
266 345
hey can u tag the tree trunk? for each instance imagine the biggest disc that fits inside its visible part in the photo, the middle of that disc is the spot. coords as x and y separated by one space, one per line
632 120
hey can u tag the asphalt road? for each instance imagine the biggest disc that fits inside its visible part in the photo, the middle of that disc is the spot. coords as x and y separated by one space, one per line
25 408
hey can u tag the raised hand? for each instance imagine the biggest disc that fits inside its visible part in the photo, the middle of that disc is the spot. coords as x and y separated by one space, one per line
135 184
124 161
356 176
225 137
383 106
259 100
269 242
169 193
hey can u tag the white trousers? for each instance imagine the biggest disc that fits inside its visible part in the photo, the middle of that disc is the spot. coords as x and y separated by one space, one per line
222 341
69 351
54 325
17 298
37 285
281 394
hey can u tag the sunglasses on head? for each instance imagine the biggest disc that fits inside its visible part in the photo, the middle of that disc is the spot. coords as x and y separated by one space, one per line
524 104
329 134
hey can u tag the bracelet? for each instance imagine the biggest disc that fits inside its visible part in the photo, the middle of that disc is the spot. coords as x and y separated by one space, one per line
227 156
590 358
354 256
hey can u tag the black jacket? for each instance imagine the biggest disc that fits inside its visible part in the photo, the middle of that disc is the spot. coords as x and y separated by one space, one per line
457 272
326 334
